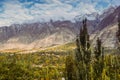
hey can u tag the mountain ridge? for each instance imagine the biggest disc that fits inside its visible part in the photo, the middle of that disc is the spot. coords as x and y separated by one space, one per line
40 35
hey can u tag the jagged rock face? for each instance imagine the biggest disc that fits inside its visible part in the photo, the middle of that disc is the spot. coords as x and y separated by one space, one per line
107 36
107 29
39 35
107 12
109 19
36 35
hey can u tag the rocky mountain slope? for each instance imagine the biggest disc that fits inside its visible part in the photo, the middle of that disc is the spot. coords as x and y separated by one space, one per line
107 35
107 28
41 35
36 35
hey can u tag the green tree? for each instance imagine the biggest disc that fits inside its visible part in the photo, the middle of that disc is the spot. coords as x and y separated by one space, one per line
99 62
83 52
99 49
70 68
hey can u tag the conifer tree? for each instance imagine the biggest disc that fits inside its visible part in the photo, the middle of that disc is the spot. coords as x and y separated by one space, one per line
99 56
83 52
83 45
98 49
70 68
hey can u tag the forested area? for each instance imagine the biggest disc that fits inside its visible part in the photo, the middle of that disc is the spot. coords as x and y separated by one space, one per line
93 63
85 62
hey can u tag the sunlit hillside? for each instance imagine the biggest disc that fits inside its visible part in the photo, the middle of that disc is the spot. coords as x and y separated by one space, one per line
59 39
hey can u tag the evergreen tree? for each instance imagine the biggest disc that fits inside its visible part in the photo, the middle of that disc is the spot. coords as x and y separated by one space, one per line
99 62
70 68
101 67
98 49
83 46
83 52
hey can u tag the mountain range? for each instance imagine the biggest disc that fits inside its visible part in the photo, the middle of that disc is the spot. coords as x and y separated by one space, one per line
45 34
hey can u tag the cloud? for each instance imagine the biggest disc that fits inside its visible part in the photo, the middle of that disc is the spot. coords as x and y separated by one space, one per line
14 13
19 11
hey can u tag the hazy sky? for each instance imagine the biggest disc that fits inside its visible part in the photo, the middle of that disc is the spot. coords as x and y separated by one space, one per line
19 11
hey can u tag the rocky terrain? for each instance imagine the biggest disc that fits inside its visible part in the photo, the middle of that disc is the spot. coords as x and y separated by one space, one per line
40 35
107 28
35 35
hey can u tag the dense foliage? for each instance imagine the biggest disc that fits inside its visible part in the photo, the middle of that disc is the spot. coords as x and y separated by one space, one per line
36 66
92 64
83 63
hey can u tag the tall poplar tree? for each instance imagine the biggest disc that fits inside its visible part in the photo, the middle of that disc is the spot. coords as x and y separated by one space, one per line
83 52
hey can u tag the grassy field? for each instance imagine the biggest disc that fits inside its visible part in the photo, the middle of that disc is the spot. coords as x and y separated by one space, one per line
43 64
40 65
48 63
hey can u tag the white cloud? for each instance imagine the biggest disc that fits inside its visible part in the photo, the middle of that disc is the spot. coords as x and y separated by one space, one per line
16 12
